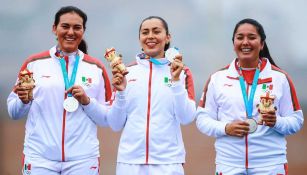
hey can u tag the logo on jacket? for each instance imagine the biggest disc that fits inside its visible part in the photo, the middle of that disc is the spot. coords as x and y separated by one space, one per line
167 81
267 88
228 85
133 79
87 81
27 168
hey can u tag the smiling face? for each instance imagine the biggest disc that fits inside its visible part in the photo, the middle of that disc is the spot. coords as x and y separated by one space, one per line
153 37
69 31
247 45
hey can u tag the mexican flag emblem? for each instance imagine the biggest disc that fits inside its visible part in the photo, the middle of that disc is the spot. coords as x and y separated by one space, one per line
86 80
27 169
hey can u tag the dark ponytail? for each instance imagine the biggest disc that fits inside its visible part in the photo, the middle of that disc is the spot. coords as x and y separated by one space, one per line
83 46
265 51
68 9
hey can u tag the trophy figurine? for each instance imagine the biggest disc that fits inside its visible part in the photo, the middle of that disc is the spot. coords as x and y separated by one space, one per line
266 105
115 60
25 79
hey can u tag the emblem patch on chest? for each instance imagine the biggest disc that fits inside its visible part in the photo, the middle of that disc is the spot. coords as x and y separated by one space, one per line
167 81
87 81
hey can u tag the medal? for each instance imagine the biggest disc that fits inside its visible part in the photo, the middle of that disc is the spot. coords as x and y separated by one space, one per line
171 53
248 102
70 104
252 125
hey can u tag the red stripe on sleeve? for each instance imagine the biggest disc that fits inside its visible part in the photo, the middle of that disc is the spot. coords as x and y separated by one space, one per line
202 101
295 102
189 84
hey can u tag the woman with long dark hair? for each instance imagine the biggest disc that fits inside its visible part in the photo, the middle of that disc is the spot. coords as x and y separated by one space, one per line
61 132
250 106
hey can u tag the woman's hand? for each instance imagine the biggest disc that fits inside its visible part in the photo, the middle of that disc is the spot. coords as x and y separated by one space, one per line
269 119
23 93
119 81
78 93
237 128
176 67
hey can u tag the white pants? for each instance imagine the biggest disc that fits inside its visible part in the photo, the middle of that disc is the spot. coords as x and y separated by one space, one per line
151 169
39 166
281 169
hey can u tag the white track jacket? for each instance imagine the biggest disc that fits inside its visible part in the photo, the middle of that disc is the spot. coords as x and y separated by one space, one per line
51 132
222 102
154 110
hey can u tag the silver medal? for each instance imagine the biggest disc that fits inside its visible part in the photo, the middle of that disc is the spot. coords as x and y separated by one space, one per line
70 104
171 53
252 125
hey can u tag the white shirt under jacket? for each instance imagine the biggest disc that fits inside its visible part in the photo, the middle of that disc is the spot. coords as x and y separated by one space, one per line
154 110
51 132
222 103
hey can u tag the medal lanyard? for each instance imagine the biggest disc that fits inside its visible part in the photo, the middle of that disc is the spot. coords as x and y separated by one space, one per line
157 62
70 83
249 102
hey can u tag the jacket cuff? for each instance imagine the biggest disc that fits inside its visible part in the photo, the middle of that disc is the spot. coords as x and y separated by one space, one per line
91 106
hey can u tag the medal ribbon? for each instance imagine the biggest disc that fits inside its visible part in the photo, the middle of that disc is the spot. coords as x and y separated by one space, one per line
249 102
70 83
157 62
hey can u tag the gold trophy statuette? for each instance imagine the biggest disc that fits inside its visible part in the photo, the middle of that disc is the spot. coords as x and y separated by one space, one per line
266 105
25 79
115 60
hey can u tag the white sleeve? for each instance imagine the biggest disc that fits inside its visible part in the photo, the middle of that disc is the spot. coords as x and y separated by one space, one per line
290 117
117 115
207 116
97 112
16 108
106 114
184 106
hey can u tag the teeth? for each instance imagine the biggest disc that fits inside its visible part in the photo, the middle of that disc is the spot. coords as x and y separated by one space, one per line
246 50
151 44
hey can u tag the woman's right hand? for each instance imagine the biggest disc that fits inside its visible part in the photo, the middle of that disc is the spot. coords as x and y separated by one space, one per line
119 81
23 93
237 128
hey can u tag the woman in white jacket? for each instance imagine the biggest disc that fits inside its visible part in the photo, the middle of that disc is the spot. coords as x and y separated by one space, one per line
159 98
245 142
61 135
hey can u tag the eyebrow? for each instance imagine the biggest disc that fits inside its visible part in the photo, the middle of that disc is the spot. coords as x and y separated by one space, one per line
70 24
155 28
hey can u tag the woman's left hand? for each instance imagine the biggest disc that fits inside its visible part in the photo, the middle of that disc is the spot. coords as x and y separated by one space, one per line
78 93
269 119
176 67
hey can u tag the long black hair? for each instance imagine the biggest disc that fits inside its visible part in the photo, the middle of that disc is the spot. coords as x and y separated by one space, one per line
265 51
164 23
68 9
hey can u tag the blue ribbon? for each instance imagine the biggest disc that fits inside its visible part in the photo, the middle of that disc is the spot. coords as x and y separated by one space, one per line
158 62
70 83
249 102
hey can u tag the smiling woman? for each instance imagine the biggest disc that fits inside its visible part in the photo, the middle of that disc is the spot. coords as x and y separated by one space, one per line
250 140
61 132
159 99
69 26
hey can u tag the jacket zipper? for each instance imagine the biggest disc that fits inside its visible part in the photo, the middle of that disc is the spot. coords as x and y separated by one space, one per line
64 119
246 139
148 111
